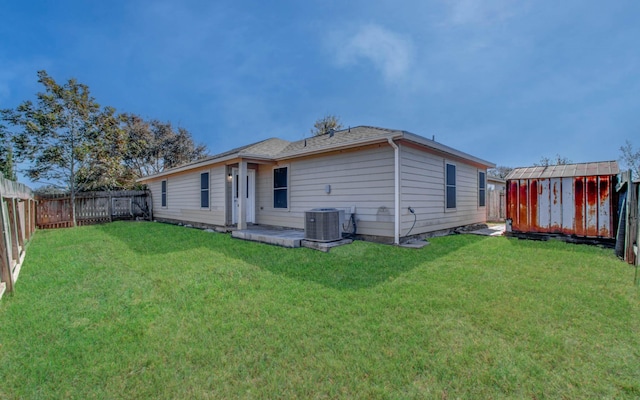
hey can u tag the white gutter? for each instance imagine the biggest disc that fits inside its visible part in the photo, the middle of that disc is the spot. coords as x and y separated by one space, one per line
396 177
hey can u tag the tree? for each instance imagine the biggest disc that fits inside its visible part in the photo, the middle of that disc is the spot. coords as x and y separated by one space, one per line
59 134
326 124
558 160
6 155
499 172
69 141
49 190
103 168
630 158
155 146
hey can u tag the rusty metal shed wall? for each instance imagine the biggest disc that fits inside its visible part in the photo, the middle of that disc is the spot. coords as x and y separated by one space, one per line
583 205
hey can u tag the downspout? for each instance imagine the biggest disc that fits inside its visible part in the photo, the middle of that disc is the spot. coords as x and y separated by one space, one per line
396 177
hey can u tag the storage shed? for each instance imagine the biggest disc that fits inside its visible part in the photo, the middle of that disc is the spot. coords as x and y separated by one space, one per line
573 199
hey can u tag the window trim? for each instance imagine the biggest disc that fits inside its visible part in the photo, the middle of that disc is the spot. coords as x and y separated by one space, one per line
447 186
483 190
202 190
287 188
164 193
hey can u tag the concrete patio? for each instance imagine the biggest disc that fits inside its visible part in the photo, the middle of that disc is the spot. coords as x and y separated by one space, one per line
278 237
294 238
491 230
291 238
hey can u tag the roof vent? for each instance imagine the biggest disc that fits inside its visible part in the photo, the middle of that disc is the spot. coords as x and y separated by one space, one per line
331 132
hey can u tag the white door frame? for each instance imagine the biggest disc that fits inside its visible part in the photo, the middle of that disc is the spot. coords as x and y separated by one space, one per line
251 196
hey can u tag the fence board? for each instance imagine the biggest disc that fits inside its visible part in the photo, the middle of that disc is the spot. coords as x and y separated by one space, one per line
5 247
496 205
633 223
17 222
92 208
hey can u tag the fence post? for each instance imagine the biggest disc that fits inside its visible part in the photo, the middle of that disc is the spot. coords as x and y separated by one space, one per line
5 246
19 225
13 228
110 207
633 225
34 208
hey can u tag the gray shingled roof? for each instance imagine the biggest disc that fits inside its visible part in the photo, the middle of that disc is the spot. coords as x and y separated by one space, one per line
275 148
266 148
338 139
566 171
278 148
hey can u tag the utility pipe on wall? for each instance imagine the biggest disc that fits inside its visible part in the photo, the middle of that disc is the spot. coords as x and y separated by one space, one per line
396 177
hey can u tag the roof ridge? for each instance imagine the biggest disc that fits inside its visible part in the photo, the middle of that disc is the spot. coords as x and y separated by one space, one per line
380 128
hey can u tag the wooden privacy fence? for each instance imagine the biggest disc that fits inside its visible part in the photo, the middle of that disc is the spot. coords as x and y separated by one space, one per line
17 217
628 234
54 211
496 205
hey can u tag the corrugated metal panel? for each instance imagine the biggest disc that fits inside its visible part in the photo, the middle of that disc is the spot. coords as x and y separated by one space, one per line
605 222
555 199
568 209
544 204
579 200
592 206
512 202
523 203
606 168
581 206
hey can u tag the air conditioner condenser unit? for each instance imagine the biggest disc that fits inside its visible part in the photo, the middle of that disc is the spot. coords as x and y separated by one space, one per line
323 224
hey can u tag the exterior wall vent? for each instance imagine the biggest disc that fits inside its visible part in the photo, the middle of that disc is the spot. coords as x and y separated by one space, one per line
323 224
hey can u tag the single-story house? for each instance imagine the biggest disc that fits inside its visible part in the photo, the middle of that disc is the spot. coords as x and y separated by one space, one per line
398 183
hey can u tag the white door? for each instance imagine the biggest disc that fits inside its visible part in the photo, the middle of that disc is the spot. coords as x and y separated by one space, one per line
250 191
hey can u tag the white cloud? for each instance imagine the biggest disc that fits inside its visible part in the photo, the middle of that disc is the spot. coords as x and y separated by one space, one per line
388 51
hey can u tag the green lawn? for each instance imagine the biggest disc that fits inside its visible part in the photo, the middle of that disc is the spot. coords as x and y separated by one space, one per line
154 311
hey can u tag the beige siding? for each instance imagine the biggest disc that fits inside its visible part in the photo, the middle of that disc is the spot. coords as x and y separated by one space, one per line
183 197
156 195
423 189
363 179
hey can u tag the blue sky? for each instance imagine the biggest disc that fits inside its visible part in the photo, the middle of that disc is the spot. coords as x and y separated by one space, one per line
507 81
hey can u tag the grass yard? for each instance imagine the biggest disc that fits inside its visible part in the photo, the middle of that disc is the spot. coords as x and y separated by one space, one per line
154 311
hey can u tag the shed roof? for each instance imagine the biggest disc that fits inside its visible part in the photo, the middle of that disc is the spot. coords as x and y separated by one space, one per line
566 171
